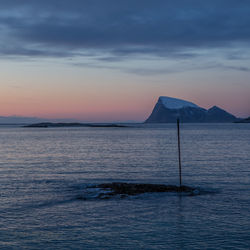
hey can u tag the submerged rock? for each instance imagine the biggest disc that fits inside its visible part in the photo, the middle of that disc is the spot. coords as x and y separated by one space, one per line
195 192
124 189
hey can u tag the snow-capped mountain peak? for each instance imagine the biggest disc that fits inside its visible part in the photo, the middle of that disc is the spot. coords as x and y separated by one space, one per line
175 103
168 109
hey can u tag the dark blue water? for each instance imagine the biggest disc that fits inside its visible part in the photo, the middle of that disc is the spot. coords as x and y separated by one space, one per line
44 171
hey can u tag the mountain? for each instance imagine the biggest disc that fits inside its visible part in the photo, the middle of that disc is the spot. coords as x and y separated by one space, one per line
216 114
29 120
168 109
19 120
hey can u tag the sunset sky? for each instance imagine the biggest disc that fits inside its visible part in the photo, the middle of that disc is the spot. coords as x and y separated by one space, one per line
96 60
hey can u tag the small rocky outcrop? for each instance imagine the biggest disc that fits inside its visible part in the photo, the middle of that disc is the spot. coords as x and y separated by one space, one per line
125 189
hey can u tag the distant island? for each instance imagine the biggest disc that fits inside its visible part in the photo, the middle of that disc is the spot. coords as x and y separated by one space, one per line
75 124
167 109
246 120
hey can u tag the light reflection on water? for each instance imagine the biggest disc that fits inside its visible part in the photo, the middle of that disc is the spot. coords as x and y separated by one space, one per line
43 171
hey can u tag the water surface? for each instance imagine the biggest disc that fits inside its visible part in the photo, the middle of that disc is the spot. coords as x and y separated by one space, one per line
43 171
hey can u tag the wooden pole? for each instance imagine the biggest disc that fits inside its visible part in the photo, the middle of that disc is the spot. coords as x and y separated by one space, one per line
179 148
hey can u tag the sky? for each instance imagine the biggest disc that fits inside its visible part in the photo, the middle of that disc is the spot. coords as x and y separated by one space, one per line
100 61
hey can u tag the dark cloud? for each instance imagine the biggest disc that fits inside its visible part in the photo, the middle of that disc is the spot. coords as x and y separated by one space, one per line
239 68
121 28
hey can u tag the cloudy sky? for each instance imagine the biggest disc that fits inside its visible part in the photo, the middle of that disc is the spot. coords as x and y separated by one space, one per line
110 60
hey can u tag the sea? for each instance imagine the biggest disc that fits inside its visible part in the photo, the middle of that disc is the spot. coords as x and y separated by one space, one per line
47 199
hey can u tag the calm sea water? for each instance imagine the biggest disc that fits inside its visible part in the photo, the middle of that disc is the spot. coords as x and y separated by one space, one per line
44 171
